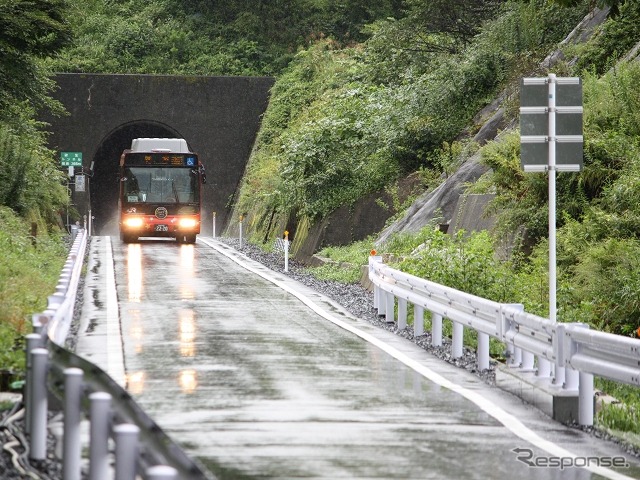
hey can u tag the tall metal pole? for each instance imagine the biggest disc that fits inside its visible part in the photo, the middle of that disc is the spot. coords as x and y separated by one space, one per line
552 198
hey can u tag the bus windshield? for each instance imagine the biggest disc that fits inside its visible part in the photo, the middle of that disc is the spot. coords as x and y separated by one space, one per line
160 185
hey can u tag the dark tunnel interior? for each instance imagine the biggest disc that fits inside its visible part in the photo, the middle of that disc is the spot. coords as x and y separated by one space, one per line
105 180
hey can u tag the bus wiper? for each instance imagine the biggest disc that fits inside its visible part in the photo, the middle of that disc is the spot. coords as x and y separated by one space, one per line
175 191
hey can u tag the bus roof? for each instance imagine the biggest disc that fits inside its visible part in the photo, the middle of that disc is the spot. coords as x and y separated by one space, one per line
167 145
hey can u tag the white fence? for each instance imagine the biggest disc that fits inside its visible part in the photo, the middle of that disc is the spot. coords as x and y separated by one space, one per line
568 354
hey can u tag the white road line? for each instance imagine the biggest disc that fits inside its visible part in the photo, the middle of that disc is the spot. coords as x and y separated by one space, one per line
509 421
115 352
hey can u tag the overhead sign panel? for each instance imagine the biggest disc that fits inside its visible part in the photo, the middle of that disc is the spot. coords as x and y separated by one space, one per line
543 108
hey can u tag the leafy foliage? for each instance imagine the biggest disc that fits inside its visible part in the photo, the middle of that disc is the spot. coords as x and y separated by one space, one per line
28 30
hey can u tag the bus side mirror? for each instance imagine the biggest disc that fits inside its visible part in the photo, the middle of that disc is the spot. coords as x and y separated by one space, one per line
202 173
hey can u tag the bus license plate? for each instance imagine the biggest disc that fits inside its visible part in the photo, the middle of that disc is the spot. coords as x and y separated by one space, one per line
162 228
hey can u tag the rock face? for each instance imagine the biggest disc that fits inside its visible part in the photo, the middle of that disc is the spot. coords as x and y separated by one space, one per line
440 204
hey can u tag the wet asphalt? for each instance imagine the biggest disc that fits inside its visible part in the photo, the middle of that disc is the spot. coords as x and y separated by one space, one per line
257 376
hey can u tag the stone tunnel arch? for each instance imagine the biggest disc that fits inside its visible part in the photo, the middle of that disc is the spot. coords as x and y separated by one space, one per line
104 183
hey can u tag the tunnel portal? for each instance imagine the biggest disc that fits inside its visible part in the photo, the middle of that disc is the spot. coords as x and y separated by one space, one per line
219 118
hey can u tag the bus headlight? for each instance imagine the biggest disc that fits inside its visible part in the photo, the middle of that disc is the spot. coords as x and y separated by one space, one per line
133 222
188 223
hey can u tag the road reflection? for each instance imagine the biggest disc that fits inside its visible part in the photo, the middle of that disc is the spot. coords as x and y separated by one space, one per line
135 383
186 272
187 327
134 272
188 381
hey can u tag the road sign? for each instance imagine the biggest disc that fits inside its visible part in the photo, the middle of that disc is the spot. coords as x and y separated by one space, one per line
71 159
80 183
551 124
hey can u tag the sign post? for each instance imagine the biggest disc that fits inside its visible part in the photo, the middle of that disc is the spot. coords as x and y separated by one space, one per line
551 141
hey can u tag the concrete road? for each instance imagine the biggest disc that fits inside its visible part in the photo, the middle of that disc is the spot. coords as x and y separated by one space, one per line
256 376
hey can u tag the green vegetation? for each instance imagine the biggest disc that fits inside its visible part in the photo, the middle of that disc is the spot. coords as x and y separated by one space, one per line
32 250
366 94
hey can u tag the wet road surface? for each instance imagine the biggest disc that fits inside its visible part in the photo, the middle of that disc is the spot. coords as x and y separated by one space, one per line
250 380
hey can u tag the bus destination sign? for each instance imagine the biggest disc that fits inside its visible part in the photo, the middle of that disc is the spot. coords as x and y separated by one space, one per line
166 159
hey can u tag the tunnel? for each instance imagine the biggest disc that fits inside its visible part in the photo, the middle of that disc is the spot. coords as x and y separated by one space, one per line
104 182
219 117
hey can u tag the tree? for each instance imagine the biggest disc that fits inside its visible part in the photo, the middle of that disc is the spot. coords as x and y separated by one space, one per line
614 4
29 29
447 25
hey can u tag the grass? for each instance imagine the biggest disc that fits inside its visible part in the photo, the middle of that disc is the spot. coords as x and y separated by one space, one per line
29 270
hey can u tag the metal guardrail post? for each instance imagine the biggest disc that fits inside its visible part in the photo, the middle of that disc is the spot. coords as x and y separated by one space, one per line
418 320
72 417
33 341
402 314
456 340
544 368
528 361
38 433
585 399
161 472
436 330
483 351
99 416
126 439
390 307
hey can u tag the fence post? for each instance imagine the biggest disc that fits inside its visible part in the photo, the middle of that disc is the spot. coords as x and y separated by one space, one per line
390 307
418 320
585 399
161 472
483 351
39 362
544 368
126 439
240 230
33 341
436 330
286 251
402 313
456 340
72 410
99 416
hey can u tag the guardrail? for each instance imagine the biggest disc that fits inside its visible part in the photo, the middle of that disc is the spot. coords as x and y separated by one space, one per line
140 447
567 354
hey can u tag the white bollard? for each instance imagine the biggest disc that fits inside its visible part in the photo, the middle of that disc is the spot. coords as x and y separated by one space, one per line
72 417
286 251
214 225
99 416
436 330
39 404
161 472
126 439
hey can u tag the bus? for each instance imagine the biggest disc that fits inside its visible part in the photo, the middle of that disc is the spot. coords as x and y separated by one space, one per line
160 190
